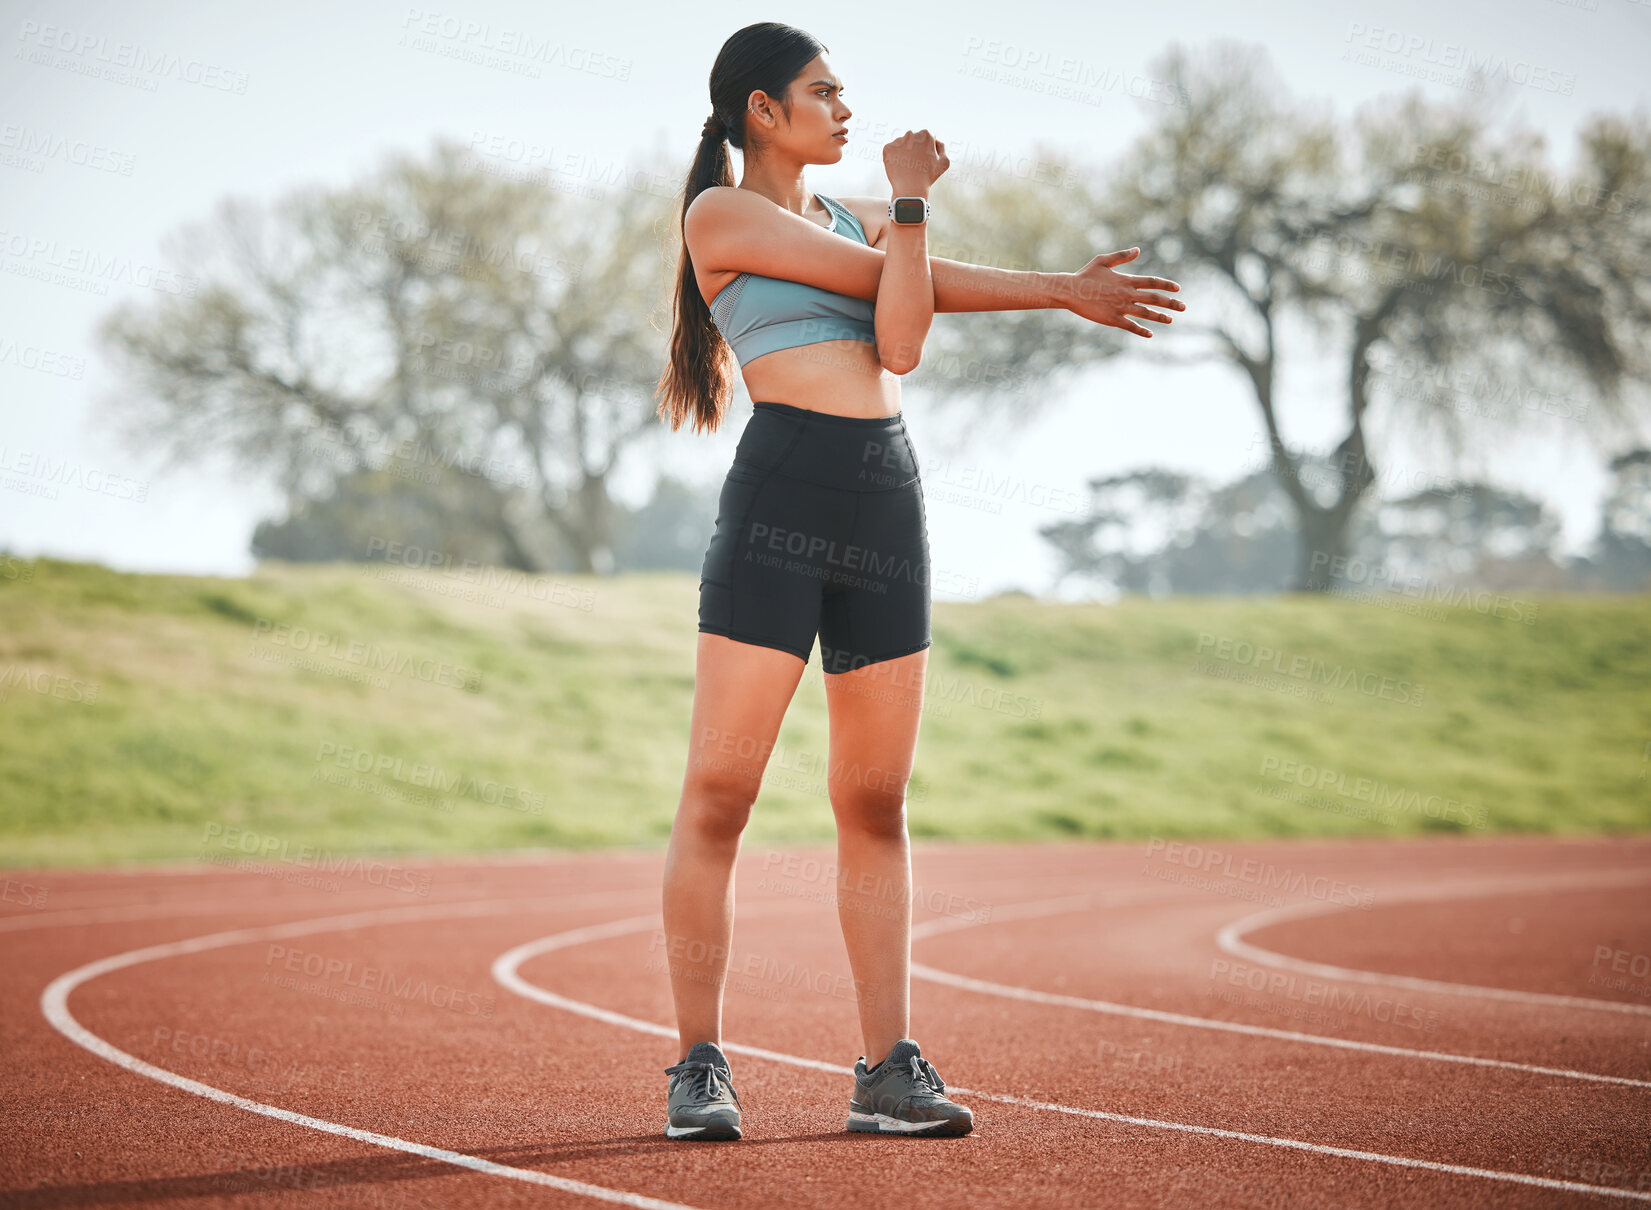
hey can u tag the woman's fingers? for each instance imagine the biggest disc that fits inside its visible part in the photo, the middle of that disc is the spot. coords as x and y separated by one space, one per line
1143 289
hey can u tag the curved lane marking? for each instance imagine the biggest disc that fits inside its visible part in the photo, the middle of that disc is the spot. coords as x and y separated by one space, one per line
1231 940
1077 903
54 1003
121 914
507 971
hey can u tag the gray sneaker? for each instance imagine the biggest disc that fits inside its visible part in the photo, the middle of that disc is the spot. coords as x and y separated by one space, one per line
904 1095
702 1103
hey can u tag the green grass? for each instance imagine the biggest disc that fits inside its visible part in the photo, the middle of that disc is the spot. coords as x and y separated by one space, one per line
139 713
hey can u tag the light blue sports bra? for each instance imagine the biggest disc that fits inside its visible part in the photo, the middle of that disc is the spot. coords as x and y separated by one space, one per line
758 314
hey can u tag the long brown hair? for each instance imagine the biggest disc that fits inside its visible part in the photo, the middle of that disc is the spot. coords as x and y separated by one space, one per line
698 378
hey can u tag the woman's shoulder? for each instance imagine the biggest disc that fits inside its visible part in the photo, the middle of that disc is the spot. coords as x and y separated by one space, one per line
713 199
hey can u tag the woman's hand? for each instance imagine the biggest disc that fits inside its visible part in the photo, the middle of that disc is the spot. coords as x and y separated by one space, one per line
1097 293
914 161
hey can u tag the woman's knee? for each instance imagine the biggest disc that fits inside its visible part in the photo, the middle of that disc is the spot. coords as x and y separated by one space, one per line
870 810
719 802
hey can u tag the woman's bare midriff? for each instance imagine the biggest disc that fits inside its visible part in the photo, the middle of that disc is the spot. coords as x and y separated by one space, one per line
843 377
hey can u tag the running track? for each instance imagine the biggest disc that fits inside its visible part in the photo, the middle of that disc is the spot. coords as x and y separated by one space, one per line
1132 1027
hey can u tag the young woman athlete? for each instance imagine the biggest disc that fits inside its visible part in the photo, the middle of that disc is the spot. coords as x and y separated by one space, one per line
821 530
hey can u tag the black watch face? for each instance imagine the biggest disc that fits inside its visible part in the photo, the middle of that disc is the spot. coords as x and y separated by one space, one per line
908 210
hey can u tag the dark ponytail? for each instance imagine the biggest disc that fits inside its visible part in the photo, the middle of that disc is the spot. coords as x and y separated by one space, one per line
698 380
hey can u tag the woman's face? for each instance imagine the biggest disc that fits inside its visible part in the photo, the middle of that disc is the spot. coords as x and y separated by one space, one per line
817 114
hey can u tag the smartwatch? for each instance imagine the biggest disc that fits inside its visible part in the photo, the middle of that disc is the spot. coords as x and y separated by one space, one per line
909 211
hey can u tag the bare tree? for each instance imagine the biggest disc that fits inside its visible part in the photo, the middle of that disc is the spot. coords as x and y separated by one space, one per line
1462 284
435 315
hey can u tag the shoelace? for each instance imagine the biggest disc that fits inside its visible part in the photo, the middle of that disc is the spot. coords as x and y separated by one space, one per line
713 1076
924 1073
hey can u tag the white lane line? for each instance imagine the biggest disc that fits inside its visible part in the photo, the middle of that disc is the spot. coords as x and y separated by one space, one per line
986 988
54 1003
67 917
507 971
1078 903
1231 940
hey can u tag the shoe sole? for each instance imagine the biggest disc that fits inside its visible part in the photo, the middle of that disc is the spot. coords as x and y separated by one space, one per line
882 1123
713 1131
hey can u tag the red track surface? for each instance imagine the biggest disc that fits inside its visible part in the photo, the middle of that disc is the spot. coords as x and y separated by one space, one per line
1083 1081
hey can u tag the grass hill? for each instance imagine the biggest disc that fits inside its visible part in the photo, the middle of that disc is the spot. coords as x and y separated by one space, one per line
371 708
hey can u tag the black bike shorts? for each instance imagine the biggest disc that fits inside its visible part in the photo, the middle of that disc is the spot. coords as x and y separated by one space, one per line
821 528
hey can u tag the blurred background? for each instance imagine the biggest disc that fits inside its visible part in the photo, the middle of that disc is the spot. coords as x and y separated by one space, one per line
334 509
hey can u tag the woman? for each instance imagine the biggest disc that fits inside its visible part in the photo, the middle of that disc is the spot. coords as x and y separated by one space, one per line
821 529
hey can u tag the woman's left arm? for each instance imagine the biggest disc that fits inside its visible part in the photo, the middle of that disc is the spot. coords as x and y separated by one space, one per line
1095 292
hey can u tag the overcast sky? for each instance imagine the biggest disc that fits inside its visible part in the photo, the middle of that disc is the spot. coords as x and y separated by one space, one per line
118 122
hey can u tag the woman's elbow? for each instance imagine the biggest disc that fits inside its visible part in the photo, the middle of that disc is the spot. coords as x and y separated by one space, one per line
900 356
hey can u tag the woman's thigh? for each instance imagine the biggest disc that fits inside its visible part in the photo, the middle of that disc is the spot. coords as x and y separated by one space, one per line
874 715
741 692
